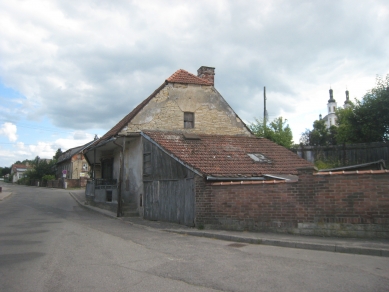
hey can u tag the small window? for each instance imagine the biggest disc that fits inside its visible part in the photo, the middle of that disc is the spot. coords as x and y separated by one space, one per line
188 120
147 164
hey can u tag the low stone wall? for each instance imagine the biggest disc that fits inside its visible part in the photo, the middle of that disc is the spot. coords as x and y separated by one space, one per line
349 204
54 184
71 183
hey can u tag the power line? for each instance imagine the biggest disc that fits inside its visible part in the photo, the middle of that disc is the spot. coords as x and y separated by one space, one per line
37 128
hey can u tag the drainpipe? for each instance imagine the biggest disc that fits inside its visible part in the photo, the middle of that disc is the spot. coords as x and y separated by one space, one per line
121 165
93 165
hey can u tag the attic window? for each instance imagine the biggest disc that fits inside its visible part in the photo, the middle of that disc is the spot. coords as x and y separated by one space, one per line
257 157
188 120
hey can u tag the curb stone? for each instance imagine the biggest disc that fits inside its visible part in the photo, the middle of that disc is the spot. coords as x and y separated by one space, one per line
291 244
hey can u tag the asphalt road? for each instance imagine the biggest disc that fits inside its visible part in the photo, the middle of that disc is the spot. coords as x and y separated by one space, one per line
49 243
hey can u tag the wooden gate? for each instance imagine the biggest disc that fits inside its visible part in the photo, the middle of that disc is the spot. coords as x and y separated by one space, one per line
170 200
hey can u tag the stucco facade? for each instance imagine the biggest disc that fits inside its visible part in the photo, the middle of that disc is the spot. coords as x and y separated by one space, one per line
165 112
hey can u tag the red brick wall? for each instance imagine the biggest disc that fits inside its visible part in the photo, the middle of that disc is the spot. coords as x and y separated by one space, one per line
320 199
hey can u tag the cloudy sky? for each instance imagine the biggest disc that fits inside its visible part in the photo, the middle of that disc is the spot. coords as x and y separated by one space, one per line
72 69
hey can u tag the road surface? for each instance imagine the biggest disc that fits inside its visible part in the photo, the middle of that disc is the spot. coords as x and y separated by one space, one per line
49 243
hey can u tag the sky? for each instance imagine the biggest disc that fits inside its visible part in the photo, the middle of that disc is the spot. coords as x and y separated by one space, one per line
73 69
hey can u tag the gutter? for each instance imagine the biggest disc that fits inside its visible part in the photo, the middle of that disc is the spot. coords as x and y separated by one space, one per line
99 145
214 178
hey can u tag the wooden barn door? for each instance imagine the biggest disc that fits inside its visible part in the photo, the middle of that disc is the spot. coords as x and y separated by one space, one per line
170 200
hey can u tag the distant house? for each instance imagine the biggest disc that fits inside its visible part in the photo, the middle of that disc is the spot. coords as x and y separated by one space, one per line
154 162
18 171
73 162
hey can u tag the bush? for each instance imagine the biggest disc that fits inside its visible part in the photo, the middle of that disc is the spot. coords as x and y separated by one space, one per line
48 177
320 164
23 181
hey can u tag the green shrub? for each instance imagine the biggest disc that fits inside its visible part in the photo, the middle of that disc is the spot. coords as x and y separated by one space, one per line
320 164
48 177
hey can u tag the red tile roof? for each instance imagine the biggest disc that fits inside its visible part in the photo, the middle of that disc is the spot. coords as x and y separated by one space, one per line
182 76
226 156
20 166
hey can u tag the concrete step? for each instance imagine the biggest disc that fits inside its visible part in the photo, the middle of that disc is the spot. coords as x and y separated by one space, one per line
130 211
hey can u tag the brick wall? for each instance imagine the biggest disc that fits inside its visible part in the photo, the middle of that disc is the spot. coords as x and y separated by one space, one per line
351 204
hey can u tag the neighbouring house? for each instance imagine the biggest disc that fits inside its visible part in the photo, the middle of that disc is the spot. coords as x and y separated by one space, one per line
18 171
74 163
157 159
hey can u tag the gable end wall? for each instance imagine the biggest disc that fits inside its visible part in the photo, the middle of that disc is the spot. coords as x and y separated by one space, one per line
166 112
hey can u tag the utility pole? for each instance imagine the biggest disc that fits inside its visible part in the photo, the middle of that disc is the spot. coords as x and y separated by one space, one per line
264 110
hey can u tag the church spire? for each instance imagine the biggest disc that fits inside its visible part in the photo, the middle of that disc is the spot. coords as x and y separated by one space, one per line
331 96
347 101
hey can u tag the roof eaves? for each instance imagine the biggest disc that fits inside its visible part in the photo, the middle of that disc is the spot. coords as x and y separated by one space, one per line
123 122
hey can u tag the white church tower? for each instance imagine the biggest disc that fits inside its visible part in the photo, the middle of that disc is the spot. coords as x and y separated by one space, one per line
347 102
330 118
331 106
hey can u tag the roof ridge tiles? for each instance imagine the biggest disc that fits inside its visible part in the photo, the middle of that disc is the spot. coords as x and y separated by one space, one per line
185 77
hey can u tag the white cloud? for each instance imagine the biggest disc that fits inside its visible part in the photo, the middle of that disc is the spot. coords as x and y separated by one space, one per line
87 64
9 130
21 151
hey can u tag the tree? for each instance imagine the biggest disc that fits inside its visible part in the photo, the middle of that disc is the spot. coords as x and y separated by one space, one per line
368 120
277 131
345 132
41 169
57 154
319 135
5 170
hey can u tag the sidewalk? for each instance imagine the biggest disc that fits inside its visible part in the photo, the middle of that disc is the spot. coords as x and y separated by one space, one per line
376 247
5 192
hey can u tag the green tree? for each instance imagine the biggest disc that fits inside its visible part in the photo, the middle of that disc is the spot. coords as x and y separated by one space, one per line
6 170
368 120
57 154
345 132
41 169
277 131
319 135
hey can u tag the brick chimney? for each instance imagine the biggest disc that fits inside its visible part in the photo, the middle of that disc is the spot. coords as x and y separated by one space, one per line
207 73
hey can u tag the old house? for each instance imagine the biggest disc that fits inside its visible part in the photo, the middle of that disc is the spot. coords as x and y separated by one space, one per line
73 162
136 161
18 171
